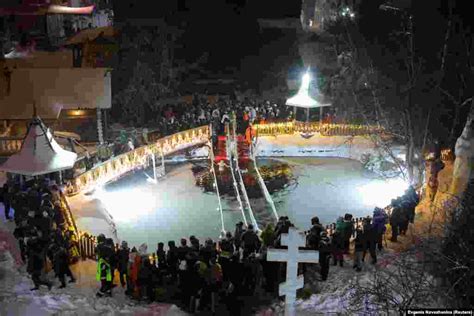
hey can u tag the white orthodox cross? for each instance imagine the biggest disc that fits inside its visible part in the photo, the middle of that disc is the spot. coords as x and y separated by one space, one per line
292 256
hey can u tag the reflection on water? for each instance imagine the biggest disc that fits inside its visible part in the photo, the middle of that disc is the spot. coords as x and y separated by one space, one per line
184 203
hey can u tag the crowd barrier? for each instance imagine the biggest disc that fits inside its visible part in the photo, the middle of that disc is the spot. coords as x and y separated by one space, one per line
289 128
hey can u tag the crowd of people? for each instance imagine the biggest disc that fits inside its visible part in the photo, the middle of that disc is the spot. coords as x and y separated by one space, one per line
42 228
236 265
172 119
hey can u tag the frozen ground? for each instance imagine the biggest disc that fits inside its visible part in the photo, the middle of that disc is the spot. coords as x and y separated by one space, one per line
79 298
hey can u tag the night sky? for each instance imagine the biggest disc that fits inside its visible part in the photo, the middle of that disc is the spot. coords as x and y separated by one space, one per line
227 30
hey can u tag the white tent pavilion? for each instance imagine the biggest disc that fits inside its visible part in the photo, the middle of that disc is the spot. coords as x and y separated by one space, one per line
303 100
39 153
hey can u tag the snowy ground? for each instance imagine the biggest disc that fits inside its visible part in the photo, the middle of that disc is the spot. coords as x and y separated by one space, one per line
77 299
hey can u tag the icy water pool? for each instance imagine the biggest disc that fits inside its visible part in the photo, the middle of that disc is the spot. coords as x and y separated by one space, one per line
176 207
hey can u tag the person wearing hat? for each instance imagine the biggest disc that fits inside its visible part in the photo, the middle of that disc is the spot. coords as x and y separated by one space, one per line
369 239
314 234
359 247
395 219
250 241
36 261
379 221
324 254
61 264
122 263
239 230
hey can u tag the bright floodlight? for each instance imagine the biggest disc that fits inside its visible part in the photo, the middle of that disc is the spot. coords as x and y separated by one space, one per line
302 98
380 193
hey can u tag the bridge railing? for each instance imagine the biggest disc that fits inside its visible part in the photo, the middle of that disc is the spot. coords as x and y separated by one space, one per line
10 145
289 128
136 159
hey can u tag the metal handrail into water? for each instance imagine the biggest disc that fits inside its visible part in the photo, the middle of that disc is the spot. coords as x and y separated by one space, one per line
229 156
211 156
266 193
242 185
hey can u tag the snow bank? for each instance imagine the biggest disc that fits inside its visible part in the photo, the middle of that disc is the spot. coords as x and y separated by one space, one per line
79 298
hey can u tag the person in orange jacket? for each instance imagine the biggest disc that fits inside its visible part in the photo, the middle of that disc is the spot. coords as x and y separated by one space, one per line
136 260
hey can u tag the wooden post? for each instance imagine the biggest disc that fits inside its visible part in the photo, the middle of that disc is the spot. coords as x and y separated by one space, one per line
154 166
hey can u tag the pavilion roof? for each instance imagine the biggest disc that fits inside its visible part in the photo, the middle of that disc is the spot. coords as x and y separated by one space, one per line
39 153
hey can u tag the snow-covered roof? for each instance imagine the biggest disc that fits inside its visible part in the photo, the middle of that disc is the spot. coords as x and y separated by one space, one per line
39 153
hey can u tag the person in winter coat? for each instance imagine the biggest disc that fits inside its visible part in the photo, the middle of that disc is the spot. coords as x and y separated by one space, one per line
111 256
413 199
161 256
359 246
183 251
36 261
379 221
337 245
172 260
395 219
314 235
100 248
123 255
268 235
135 272
145 280
282 228
61 265
6 196
324 255
131 282
20 233
370 237
405 216
194 243
238 234
208 251
347 231
250 241
227 250
194 280
214 281
104 275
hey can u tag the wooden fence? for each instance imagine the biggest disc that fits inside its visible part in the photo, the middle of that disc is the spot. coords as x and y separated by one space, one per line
288 128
